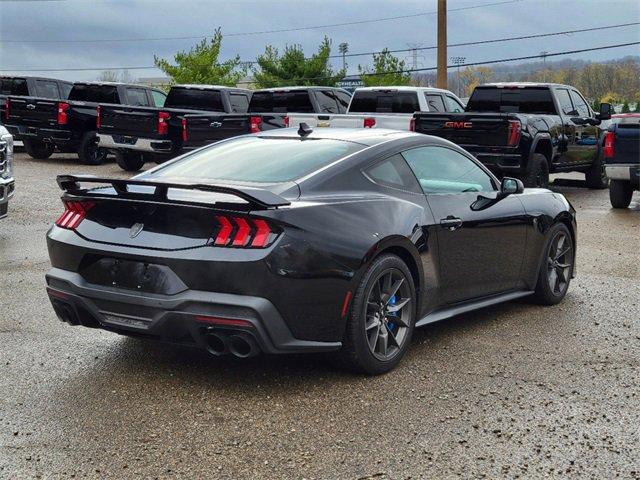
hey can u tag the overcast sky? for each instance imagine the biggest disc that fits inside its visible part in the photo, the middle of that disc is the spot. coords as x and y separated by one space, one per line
32 26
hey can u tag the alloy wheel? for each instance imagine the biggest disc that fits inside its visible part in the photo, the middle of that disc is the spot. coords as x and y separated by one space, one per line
388 314
559 262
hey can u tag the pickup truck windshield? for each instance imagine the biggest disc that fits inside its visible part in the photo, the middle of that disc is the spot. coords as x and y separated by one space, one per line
256 159
195 99
512 100
297 101
95 93
384 102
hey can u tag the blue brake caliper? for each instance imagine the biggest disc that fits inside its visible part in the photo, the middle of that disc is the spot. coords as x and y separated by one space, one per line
392 325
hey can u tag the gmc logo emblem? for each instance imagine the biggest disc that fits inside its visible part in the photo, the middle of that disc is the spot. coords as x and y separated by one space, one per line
457 124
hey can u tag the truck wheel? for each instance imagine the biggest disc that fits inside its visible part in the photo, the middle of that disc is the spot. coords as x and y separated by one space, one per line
537 175
596 176
620 193
37 149
130 161
89 152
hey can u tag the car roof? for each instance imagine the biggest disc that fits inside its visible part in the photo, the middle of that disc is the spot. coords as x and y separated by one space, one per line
402 88
209 87
297 87
364 136
522 84
35 78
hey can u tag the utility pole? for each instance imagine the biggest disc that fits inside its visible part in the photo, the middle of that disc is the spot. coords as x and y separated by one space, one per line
458 61
343 48
413 57
544 54
442 44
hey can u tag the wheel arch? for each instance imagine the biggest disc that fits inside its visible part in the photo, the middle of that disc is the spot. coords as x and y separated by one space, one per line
542 145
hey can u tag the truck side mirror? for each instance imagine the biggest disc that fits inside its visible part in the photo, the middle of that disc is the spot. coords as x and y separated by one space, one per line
605 111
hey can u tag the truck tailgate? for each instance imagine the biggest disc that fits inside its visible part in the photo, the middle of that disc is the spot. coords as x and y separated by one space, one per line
482 129
33 112
627 143
131 121
204 128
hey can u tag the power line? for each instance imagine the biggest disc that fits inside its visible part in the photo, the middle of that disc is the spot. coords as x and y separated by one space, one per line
264 32
486 62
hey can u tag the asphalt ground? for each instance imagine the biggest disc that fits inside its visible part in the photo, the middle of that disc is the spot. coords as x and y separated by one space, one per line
513 391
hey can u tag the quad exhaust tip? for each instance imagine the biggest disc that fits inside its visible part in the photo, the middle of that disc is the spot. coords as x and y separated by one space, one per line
241 345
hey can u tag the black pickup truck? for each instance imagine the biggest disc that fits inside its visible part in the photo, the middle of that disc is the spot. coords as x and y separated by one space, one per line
622 157
70 125
526 130
30 87
197 115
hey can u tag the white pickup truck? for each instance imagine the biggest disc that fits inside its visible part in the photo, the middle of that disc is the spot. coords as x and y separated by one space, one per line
383 107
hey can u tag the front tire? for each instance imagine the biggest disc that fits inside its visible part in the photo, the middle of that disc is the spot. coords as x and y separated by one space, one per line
620 193
596 176
38 150
89 152
556 269
130 161
537 175
382 318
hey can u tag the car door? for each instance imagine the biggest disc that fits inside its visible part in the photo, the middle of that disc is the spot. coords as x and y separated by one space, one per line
569 132
584 149
480 250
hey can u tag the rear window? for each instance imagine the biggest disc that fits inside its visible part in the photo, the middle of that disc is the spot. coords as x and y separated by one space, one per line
258 159
14 86
297 101
384 102
512 100
195 99
95 93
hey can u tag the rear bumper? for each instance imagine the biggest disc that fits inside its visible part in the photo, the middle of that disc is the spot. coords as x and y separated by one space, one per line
7 189
53 135
498 162
116 142
173 318
627 172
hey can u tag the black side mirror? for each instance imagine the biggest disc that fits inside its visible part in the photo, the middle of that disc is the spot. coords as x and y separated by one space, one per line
509 186
605 112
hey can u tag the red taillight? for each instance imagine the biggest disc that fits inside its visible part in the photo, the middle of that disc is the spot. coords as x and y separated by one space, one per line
255 124
242 232
369 122
184 130
98 117
7 108
74 213
515 128
163 123
63 118
412 125
609 149
286 120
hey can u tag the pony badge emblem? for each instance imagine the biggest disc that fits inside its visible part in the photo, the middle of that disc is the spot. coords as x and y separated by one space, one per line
136 228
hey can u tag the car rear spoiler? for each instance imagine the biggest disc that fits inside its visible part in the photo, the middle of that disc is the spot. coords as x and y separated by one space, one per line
256 196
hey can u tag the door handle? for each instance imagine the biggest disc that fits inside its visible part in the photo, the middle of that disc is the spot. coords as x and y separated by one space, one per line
451 222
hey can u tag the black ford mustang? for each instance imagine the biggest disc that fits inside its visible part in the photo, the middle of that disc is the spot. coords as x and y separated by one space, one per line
301 241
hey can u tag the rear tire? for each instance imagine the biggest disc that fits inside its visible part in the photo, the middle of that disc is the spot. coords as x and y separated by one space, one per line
620 193
556 268
374 343
89 152
537 175
38 150
130 161
596 176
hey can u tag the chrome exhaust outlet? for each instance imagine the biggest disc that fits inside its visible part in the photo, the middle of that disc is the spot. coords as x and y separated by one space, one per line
243 345
217 344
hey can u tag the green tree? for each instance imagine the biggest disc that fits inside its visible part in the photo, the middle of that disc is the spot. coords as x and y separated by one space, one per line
387 70
596 105
625 107
200 65
293 68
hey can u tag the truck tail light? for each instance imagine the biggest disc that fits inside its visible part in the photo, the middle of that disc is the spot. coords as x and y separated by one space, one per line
163 123
184 129
74 213
515 129
63 118
412 125
286 120
98 117
609 149
7 108
255 123
243 232
369 122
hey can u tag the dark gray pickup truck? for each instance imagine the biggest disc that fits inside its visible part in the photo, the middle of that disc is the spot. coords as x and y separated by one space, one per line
622 157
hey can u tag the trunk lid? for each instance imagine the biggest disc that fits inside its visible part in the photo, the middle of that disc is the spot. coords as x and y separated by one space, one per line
135 121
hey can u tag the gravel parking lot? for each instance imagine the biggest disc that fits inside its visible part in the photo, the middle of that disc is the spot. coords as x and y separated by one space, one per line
511 391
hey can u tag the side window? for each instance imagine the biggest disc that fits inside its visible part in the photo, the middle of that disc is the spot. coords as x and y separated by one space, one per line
158 98
65 89
444 170
453 105
566 107
343 99
393 172
434 100
47 89
326 101
137 97
239 102
580 105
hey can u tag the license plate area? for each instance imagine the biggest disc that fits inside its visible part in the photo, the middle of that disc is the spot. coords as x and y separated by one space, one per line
125 139
120 320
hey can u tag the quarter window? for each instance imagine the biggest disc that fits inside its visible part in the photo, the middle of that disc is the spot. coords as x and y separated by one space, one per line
393 172
239 102
435 102
453 105
327 101
137 97
444 170
47 89
343 99
158 98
